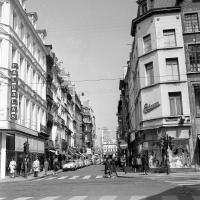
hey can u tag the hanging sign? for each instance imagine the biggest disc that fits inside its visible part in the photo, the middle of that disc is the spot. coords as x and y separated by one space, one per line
14 91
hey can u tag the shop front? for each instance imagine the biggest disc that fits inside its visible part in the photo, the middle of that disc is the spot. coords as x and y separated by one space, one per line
12 143
178 149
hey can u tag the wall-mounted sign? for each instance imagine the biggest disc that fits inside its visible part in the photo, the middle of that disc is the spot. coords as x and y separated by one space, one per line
150 107
14 91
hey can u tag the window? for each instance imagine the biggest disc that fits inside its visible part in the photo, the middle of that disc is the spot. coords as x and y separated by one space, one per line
191 22
194 57
175 103
169 38
197 100
149 73
0 11
28 40
14 21
147 43
22 32
143 8
172 69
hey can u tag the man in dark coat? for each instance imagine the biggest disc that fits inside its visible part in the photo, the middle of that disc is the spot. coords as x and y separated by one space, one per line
145 165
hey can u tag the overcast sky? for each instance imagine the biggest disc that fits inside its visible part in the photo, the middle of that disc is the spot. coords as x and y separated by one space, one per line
92 38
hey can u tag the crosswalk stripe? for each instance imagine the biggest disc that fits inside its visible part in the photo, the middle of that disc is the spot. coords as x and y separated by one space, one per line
99 176
86 177
74 177
51 178
138 197
62 177
23 198
78 198
108 197
172 197
50 198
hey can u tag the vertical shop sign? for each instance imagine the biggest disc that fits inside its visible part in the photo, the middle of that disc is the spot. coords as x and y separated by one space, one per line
14 91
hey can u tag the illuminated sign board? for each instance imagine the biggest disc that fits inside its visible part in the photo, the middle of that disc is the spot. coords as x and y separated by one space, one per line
14 91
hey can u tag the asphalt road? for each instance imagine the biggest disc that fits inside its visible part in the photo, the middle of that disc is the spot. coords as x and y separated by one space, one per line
89 184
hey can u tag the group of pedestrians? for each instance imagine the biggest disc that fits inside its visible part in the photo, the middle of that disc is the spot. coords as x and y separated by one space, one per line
110 166
140 164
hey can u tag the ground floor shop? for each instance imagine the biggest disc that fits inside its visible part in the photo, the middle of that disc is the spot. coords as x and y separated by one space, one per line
150 143
12 146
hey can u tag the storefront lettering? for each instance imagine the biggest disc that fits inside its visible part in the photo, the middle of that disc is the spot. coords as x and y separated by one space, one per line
14 91
150 107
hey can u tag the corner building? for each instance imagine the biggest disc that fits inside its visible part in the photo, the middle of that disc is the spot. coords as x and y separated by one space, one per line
159 97
22 84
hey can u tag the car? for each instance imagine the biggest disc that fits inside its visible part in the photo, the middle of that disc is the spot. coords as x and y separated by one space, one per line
69 165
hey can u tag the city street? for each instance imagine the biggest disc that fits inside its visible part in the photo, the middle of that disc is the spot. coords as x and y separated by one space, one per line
89 184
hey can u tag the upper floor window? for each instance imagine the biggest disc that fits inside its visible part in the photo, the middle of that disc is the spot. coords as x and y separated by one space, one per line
147 43
0 11
169 38
14 21
28 40
22 32
191 22
175 103
172 69
197 100
143 7
194 57
149 73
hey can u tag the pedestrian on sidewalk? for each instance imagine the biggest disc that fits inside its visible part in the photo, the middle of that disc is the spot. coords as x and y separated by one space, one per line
55 165
145 165
24 166
12 167
113 165
139 163
46 166
36 167
123 163
134 164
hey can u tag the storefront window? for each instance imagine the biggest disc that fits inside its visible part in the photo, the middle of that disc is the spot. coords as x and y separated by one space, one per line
179 156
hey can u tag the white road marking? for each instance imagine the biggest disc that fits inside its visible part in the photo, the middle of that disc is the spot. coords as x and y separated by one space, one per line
172 197
74 177
138 197
51 178
99 176
39 179
108 197
50 198
62 177
78 198
86 177
23 198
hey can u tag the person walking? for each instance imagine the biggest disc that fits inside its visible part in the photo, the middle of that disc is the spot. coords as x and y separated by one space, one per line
123 163
46 166
55 165
36 167
113 165
134 164
139 163
145 164
12 167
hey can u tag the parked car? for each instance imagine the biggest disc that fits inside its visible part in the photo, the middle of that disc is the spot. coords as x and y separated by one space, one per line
69 165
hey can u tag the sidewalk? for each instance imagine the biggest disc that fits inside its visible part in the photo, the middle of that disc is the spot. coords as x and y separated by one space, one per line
29 177
131 174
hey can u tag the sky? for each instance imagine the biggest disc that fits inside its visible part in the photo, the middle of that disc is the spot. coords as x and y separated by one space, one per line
92 39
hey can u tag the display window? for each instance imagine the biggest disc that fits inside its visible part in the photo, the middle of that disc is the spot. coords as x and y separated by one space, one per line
179 155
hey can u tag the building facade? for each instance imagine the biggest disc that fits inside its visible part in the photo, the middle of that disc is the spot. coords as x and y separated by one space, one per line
23 84
163 93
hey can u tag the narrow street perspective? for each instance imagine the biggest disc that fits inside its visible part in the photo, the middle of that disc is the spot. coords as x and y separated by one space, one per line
100 100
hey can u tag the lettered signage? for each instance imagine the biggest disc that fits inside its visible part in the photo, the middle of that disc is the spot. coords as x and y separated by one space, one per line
149 107
14 91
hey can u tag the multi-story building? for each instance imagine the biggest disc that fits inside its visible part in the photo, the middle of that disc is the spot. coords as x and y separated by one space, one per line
159 103
190 14
23 84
